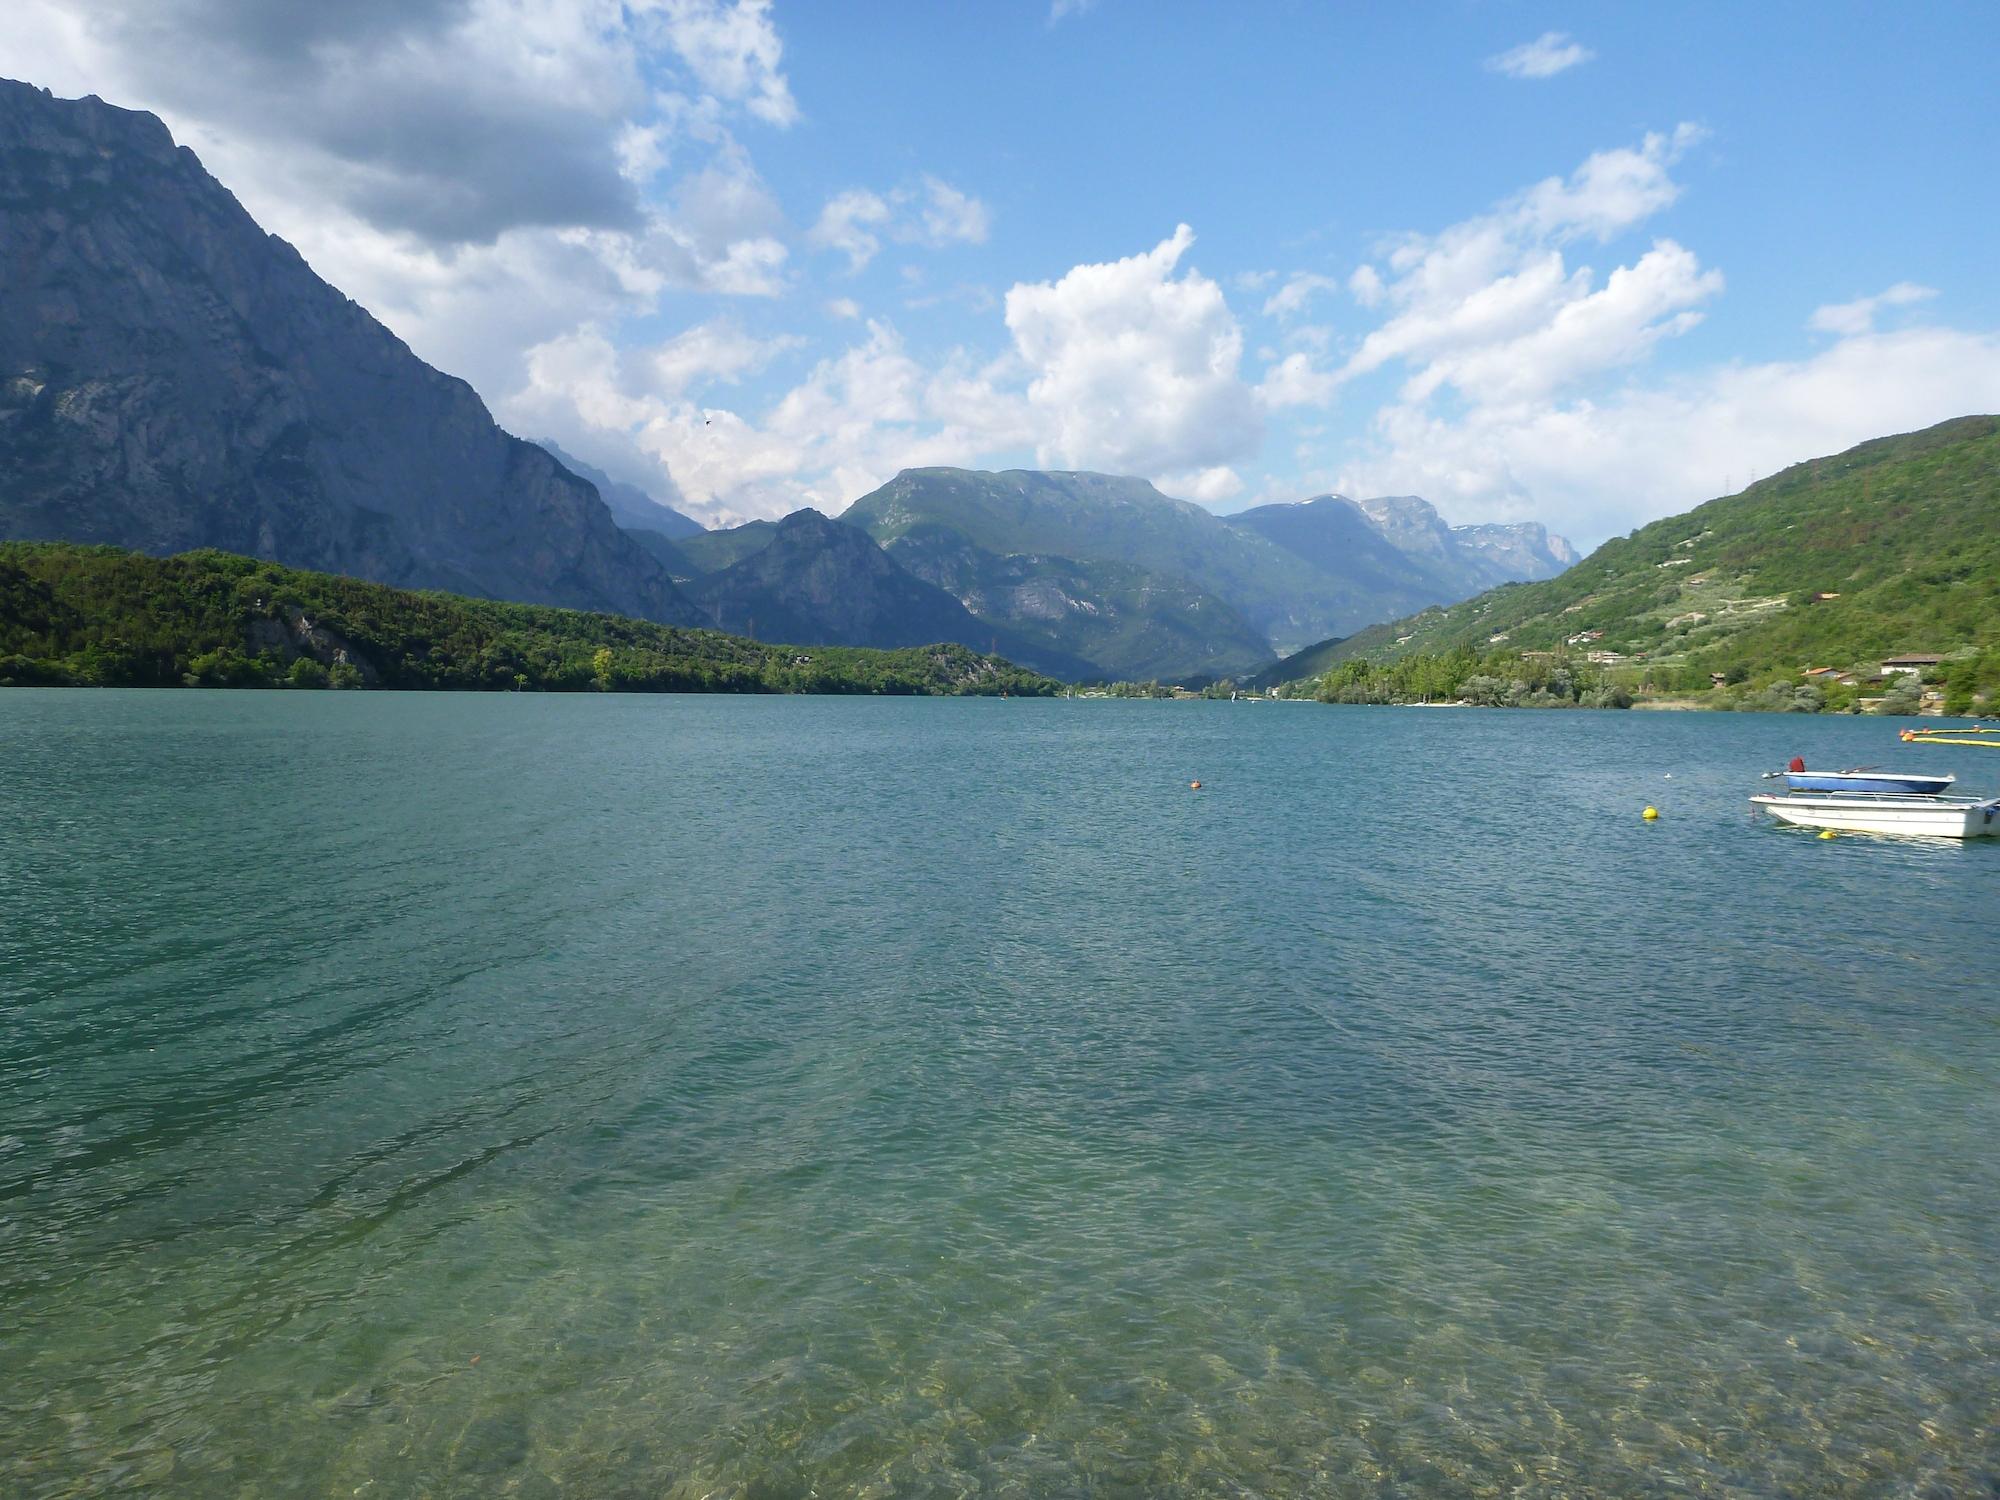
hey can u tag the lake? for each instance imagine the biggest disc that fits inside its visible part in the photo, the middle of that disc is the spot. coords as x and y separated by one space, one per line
625 1096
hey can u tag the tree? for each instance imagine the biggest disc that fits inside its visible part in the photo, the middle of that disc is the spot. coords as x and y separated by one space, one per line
600 666
307 673
1905 697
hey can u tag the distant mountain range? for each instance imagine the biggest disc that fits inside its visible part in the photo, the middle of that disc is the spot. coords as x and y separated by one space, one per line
173 378
1891 547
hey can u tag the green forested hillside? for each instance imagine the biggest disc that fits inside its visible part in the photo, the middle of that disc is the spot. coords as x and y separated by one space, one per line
1889 548
101 616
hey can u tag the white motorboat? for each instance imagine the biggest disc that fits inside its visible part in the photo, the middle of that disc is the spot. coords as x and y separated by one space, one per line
1886 812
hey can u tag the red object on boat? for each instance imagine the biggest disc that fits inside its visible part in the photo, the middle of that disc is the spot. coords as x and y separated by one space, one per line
1798 763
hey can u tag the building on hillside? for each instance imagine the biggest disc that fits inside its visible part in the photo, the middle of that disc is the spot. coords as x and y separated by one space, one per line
1909 664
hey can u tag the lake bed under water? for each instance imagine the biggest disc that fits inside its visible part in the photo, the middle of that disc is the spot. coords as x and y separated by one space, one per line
688 1097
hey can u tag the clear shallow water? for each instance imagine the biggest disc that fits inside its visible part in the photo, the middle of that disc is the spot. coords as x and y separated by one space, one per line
704 1096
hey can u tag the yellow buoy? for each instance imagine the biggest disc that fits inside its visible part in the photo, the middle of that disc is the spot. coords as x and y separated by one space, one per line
1827 833
1650 814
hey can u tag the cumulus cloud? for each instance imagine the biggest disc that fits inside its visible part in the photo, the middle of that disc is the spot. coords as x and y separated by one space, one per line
1547 55
452 120
934 214
733 52
1130 366
1491 307
1592 468
715 351
1858 316
1135 367
476 172
847 224
851 423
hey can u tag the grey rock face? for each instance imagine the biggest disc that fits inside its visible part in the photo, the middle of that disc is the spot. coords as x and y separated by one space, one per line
172 377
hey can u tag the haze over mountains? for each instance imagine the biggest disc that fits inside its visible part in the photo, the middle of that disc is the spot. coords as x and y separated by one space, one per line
172 377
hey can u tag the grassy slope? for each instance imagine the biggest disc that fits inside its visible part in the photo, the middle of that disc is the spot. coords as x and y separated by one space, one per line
1905 529
101 615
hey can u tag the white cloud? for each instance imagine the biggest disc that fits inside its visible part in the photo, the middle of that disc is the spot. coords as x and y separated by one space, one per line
733 51
1203 486
714 351
1291 298
1366 286
480 174
847 224
1130 366
1296 381
849 425
1135 368
1491 307
950 216
1858 316
1591 468
1061 8
1547 55
843 307
934 214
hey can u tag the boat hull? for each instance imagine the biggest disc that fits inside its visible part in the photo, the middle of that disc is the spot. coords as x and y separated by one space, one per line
1921 817
1867 781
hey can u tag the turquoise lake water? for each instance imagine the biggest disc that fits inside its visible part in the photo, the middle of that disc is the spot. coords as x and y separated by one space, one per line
608 1096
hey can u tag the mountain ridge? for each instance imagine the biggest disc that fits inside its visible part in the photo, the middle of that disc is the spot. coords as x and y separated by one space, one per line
1890 546
172 376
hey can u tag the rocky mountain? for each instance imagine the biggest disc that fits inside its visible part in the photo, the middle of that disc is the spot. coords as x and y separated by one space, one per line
1104 518
1518 553
1111 569
631 507
816 582
1127 623
1399 553
172 377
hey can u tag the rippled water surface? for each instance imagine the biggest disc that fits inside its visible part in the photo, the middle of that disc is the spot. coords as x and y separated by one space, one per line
741 1097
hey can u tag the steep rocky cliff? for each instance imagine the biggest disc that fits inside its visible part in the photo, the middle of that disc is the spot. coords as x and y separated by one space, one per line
173 377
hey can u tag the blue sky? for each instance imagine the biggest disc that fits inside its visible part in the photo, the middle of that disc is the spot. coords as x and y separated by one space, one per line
756 256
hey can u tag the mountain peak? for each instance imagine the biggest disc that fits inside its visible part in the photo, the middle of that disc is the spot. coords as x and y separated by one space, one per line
194 384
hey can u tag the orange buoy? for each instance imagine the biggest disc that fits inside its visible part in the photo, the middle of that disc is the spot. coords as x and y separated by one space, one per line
1194 786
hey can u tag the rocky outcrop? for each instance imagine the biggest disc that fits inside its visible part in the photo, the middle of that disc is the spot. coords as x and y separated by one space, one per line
1523 551
172 377
1398 553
